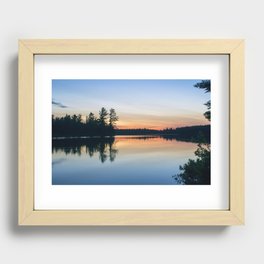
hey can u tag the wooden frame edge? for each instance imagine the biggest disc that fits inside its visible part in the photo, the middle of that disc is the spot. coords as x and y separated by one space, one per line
131 46
237 132
28 216
25 132
130 218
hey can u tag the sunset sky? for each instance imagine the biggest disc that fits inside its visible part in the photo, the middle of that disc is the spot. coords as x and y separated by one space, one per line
153 104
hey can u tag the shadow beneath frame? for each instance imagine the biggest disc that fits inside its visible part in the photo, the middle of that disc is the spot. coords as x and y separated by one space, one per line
168 231
53 231
12 128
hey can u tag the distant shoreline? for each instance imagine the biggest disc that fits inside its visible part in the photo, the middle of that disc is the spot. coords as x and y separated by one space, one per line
196 134
112 136
187 134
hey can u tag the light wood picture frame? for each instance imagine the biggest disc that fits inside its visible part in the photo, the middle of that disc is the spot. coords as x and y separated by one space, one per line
28 216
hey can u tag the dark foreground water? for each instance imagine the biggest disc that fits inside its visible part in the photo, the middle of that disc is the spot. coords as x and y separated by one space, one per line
120 160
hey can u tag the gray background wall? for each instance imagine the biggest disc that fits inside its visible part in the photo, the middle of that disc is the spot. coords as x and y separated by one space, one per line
132 19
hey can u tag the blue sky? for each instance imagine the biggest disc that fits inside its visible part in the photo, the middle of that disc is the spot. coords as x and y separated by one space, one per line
152 104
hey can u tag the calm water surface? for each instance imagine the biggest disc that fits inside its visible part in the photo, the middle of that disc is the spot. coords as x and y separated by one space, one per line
120 160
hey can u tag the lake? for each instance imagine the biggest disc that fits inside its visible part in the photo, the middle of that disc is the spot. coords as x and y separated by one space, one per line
119 160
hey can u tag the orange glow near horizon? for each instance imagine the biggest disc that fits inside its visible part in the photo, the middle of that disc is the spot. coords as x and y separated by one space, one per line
157 127
153 123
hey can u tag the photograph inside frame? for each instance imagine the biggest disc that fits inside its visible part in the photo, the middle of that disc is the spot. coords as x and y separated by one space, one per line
131 132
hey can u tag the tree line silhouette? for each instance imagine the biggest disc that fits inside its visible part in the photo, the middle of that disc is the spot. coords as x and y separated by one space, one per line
76 125
105 125
198 171
196 134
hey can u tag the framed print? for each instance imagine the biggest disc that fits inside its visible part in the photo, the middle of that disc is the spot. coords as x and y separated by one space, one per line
131 132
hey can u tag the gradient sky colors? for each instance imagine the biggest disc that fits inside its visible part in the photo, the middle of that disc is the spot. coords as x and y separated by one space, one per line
153 104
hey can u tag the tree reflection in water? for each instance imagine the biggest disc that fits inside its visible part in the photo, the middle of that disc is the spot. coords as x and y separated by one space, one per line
191 173
105 146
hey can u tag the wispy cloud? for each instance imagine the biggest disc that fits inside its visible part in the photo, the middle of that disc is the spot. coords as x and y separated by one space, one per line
58 161
59 104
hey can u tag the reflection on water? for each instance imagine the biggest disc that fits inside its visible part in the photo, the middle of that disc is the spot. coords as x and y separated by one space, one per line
130 160
86 146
